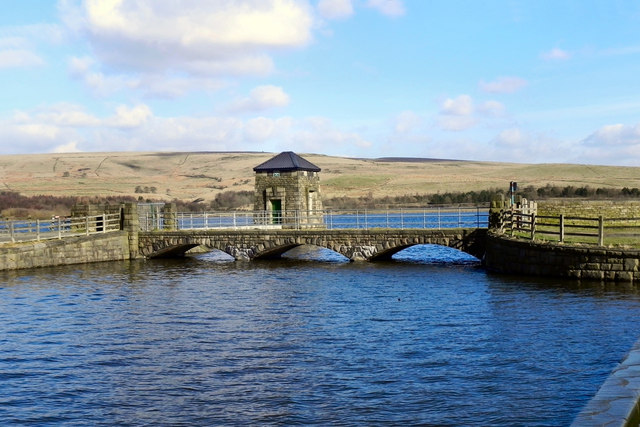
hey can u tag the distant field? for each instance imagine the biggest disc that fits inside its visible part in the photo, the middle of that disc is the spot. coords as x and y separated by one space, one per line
188 176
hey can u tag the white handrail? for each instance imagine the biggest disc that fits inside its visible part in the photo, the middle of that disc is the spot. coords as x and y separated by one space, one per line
57 228
430 217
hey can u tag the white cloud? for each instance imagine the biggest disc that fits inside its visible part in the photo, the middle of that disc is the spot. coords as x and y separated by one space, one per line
63 115
614 135
457 114
492 109
611 144
319 134
127 117
83 69
13 42
152 85
47 33
221 37
503 85
19 58
261 98
80 66
462 113
68 127
460 106
19 44
510 138
555 54
69 147
262 129
335 9
388 7
406 122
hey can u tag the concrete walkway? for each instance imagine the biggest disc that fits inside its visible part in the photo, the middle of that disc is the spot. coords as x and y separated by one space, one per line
617 401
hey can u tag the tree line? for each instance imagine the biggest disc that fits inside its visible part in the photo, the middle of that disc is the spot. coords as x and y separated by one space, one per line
483 196
16 205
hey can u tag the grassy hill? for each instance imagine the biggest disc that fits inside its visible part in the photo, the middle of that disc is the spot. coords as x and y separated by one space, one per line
202 175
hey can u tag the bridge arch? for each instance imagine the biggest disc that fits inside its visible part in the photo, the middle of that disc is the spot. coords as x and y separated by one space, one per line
356 245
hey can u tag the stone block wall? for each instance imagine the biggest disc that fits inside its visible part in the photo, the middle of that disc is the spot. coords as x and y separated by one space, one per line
517 256
113 246
94 209
298 191
590 208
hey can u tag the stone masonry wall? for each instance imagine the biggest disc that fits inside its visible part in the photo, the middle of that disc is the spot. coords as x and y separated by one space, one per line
516 256
292 188
357 245
113 246
590 209
295 187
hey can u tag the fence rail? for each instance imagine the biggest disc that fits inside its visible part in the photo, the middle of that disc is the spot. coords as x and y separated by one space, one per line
433 218
57 228
588 230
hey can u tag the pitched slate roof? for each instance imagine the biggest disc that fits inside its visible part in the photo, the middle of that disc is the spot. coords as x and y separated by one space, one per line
286 161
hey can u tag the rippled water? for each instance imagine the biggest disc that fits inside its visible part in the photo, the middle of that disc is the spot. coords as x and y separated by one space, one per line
429 339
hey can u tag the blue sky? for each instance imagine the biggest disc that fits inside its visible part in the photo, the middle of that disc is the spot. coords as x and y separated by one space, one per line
498 80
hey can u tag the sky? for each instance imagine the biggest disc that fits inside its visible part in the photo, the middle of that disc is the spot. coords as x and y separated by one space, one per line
542 81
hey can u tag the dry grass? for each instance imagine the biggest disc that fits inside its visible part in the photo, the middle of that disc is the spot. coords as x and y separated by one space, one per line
188 176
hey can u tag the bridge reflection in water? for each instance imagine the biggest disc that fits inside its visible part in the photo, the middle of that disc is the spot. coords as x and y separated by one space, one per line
357 235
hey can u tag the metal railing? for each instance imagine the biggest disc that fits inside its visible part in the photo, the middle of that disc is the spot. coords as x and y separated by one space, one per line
573 229
431 217
57 228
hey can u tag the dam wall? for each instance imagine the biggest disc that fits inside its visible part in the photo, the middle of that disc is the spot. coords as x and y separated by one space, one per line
113 246
512 255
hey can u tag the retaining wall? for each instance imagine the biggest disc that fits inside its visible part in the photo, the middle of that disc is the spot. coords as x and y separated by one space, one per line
590 208
617 402
510 255
113 246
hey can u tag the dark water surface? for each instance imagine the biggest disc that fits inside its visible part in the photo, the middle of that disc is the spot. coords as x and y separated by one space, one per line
430 339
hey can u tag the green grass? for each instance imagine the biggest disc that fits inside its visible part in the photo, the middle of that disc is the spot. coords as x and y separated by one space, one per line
356 181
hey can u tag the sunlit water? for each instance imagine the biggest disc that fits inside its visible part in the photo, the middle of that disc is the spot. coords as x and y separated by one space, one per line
428 339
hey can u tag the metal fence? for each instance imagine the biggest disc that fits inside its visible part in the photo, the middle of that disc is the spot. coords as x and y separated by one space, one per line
432 218
57 228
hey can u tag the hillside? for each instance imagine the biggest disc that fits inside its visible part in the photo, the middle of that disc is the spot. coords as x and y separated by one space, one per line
188 176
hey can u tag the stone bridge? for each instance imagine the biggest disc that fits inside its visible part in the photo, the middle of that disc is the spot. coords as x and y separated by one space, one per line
357 245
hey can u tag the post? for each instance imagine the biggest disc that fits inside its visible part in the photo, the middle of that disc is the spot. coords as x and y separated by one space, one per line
561 228
600 230
86 224
130 222
59 228
11 231
533 226
37 229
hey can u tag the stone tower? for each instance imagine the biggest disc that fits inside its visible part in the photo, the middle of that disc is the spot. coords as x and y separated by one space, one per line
287 189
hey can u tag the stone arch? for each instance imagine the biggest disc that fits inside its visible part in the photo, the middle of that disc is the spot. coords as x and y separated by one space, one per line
172 251
276 252
356 245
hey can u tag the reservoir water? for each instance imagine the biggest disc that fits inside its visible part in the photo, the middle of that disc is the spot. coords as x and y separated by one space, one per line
429 338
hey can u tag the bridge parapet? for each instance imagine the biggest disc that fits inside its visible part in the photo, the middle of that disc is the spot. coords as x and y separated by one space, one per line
158 218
